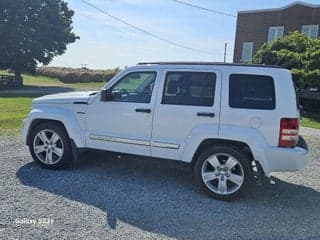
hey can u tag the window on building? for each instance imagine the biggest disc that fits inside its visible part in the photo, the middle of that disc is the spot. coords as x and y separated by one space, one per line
275 33
189 88
247 49
251 91
310 30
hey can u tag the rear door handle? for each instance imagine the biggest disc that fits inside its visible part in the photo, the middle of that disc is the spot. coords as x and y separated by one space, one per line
205 114
143 110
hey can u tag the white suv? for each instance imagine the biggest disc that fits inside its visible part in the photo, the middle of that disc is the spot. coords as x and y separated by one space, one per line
224 119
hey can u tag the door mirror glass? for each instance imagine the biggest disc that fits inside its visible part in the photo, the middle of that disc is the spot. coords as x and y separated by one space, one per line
106 95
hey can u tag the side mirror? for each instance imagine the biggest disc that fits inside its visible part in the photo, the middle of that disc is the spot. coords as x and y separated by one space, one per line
106 95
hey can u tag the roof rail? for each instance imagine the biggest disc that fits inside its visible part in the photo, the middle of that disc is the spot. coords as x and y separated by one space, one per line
209 63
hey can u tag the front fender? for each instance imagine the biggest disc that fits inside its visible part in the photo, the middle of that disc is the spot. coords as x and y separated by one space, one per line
66 116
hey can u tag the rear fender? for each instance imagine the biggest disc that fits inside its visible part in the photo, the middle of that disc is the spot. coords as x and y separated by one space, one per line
250 136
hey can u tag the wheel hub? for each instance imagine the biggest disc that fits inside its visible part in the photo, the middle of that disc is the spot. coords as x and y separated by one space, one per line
222 173
48 146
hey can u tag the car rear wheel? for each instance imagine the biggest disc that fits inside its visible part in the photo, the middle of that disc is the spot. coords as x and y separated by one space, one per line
223 172
50 146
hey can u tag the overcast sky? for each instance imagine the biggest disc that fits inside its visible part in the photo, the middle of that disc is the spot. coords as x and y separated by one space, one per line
107 43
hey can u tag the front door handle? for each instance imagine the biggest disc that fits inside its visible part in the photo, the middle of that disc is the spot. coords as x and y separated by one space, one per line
205 114
143 110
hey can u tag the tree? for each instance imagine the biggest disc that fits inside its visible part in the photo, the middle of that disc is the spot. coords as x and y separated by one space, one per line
32 32
296 52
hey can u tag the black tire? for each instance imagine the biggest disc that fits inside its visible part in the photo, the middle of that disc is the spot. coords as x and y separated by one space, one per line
66 157
236 153
302 143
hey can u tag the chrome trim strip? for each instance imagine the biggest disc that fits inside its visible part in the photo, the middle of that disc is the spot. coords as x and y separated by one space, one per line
133 141
165 145
118 140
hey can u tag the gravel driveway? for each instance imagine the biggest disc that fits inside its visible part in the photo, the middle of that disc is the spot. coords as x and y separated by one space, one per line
105 197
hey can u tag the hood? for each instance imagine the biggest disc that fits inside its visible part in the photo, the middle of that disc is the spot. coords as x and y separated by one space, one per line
65 98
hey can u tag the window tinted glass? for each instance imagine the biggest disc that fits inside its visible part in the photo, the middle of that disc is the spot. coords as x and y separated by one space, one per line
134 87
189 88
251 91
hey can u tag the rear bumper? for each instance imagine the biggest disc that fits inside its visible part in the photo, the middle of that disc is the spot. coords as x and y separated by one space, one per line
288 159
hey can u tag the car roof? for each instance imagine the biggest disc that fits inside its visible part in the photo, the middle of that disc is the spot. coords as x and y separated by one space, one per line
209 64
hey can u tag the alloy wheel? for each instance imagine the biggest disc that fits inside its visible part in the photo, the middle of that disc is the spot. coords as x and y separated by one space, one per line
222 173
48 146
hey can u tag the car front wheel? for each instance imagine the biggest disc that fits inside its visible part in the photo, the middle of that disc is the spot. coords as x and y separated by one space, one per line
50 146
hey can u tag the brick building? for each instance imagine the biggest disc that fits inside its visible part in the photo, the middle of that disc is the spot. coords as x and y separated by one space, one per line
256 27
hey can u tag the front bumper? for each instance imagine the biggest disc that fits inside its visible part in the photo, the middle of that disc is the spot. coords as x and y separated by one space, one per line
288 159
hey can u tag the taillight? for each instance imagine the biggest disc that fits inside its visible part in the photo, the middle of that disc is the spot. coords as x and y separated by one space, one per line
289 132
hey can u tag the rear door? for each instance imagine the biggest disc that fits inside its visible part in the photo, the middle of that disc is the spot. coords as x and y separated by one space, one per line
187 99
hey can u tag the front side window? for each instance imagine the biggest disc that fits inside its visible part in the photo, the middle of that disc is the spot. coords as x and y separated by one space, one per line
310 30
134 87
189 88
251 91
275 33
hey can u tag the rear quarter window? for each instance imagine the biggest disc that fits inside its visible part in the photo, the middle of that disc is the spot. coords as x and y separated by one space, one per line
251 92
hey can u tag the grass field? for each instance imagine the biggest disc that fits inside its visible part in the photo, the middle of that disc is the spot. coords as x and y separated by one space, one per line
311 120
15 105
41 81
13 110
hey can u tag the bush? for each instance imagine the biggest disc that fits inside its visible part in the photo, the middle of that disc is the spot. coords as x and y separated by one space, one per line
97 77
83 77
296 52
74 75
69 78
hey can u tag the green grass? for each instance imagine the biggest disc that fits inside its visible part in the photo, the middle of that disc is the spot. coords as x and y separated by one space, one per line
15 104
13 111
311 120
41 81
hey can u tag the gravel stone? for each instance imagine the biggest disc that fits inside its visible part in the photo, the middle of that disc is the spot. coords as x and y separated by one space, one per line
109 197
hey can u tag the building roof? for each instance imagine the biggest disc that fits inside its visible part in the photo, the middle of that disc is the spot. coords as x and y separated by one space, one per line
282 8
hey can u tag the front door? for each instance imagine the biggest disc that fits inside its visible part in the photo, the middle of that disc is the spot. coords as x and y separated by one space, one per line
124 123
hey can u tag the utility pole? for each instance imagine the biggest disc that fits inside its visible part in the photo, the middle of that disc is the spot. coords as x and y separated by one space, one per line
84 66
225 51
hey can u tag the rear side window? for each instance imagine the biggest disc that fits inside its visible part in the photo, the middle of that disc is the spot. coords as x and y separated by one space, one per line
189 88
251 91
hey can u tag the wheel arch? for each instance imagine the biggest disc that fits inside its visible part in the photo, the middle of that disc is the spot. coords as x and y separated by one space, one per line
37 121
212 176
206 143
